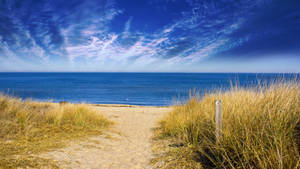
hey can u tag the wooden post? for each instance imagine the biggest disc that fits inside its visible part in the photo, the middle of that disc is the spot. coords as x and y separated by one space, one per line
218 119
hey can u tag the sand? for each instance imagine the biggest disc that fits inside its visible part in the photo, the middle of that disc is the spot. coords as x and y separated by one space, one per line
127 145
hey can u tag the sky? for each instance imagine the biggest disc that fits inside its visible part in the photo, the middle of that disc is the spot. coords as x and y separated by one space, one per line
150 35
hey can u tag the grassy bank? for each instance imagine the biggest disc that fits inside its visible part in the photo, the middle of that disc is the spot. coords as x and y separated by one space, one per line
261 129
28 128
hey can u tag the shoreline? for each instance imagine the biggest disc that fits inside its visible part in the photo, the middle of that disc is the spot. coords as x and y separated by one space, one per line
94 104
126 105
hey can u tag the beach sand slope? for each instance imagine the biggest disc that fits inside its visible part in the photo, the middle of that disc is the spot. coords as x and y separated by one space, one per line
126 145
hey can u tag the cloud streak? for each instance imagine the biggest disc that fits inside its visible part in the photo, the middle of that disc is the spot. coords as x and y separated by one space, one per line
113 36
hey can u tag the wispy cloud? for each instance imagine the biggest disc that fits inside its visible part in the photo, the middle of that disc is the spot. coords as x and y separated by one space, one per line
104 36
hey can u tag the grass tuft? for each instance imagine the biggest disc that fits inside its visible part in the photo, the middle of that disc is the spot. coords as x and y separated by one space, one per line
28 128
261 129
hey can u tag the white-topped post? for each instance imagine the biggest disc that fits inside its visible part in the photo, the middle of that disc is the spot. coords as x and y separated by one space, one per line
218 120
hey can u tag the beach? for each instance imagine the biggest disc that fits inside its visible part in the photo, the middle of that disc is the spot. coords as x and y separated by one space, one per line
99 122
158 84
67 135
126 145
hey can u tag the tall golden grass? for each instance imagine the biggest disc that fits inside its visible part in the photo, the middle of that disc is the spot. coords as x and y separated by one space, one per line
261 128
27 128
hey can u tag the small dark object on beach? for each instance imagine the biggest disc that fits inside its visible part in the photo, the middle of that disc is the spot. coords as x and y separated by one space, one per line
63 102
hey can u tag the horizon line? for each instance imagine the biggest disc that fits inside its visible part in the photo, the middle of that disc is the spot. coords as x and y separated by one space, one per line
140 72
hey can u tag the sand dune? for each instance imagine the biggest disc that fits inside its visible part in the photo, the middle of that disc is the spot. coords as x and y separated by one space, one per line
126 145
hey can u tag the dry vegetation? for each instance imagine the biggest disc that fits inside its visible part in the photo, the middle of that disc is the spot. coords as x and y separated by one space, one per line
261 129
28 128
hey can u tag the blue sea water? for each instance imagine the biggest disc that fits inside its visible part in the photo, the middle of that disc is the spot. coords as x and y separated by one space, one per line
123 88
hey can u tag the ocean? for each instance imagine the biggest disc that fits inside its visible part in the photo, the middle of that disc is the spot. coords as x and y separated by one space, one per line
150 89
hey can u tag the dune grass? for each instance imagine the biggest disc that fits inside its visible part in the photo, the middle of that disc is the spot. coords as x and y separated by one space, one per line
261 129
28 128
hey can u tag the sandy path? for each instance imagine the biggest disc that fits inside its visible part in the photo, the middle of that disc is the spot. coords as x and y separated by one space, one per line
127 145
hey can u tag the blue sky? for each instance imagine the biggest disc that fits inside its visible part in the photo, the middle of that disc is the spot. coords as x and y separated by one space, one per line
150 36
